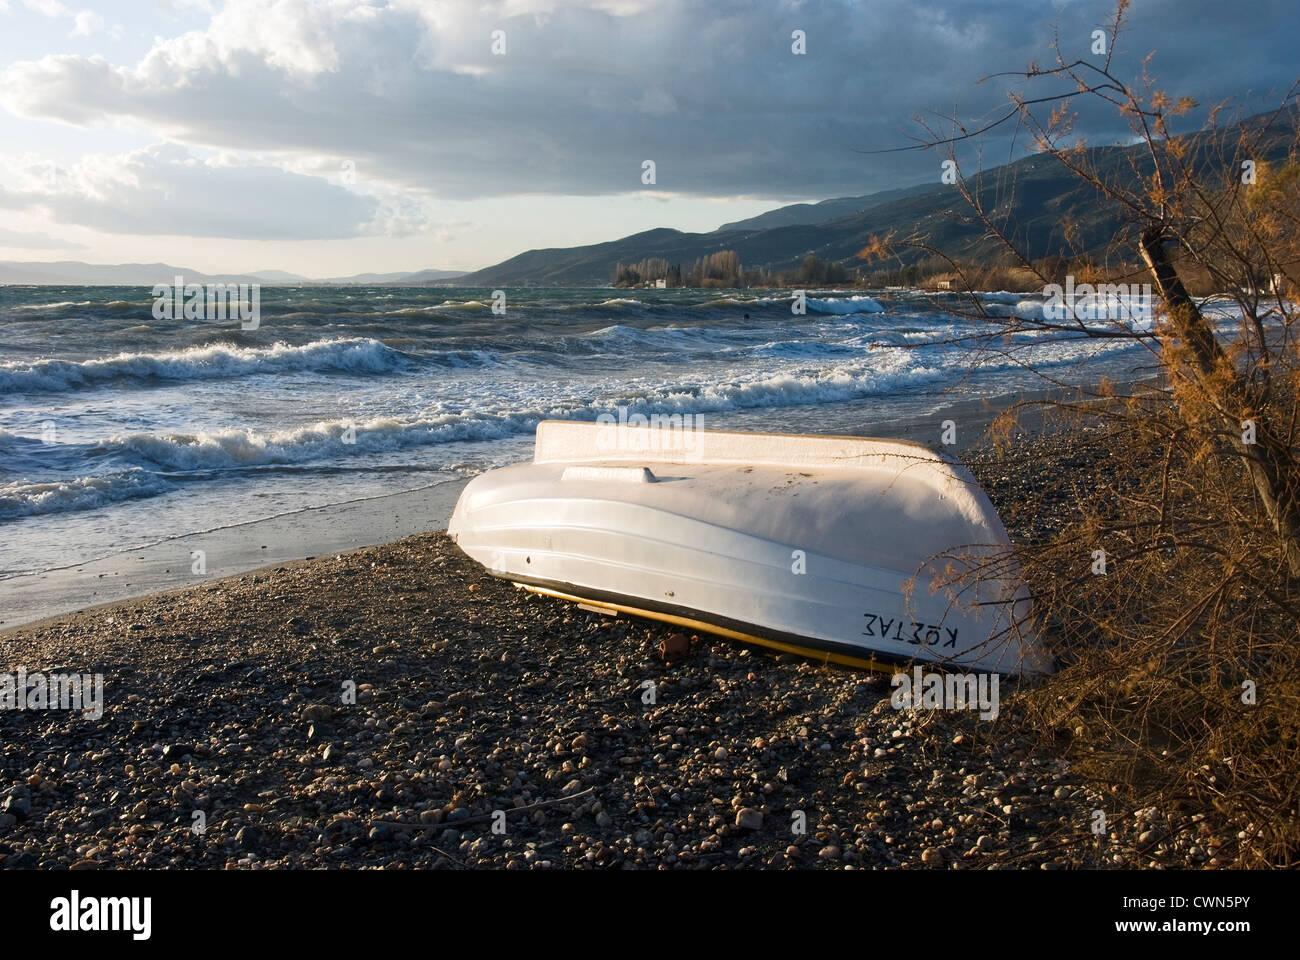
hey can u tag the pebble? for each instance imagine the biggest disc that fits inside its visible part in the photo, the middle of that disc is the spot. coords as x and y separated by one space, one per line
747 818
745 758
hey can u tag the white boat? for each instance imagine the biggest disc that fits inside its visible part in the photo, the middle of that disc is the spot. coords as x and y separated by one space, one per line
840 548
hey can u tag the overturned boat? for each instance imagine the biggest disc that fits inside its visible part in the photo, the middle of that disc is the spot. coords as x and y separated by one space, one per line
870 553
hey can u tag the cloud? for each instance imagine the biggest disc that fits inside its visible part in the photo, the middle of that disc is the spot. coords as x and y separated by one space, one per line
47 8
588 90
165 190
35 241
87 22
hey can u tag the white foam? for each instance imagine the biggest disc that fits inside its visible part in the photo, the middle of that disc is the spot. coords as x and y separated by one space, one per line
354 355
845 305
28 499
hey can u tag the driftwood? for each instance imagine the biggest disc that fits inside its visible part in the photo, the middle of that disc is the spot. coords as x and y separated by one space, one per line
405 825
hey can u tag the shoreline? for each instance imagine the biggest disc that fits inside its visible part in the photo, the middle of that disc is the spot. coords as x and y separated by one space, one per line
167 565
232 700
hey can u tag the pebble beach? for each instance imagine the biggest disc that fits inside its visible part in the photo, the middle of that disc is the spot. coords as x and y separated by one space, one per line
396 707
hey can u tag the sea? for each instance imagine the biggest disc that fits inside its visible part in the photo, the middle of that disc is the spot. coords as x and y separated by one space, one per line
119 430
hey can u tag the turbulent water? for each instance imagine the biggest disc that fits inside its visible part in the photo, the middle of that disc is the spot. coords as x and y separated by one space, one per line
118 429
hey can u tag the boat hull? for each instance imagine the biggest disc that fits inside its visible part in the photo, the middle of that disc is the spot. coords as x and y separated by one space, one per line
781 549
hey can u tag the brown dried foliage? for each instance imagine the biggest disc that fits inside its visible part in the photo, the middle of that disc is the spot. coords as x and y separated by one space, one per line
1200 602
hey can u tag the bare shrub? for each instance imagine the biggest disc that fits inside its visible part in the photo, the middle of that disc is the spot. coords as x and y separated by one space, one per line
1178 689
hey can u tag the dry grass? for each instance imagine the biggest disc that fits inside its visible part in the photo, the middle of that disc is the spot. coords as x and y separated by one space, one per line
1178 690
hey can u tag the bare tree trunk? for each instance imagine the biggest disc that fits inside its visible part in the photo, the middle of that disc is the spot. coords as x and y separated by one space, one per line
1269 461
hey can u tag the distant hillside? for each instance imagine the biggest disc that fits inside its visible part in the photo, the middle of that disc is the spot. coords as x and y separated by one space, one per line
809 213
278 276
75 273
426 276
1035 195
419 276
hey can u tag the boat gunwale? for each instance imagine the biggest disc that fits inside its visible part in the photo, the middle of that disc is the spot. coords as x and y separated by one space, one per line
579 442
922 453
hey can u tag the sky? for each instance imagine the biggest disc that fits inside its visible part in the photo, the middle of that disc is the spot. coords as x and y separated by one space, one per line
335 137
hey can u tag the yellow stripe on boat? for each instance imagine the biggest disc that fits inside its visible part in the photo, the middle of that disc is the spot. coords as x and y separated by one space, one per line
870 663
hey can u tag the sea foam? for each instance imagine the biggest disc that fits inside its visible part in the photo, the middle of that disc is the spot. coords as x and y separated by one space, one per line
353 355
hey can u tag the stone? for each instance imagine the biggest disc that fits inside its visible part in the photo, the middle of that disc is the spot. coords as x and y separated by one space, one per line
747 818
17 807
674 645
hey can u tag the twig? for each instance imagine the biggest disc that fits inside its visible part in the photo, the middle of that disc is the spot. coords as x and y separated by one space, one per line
455 860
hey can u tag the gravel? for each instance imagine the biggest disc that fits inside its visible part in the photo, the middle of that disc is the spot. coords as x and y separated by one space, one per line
396 707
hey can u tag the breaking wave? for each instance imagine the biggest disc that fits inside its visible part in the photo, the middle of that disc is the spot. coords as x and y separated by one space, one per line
217 361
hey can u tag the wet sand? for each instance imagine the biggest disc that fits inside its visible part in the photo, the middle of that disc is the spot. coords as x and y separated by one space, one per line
171 563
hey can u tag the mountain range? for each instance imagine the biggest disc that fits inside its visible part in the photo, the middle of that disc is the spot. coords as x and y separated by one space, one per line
1046 208
1036 197
76 273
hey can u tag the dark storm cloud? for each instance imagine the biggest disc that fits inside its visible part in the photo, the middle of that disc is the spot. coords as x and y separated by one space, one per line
711 92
